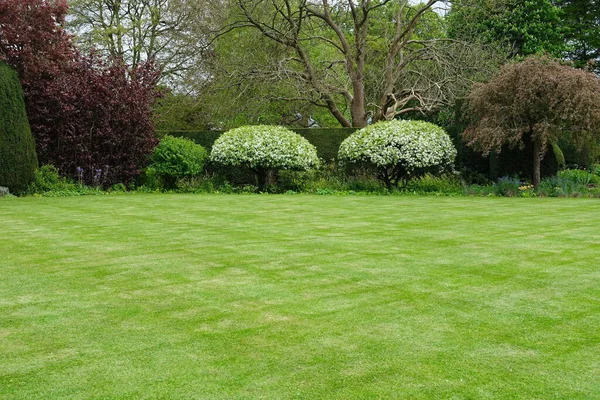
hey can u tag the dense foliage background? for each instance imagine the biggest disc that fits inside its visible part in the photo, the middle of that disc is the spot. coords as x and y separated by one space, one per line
103 81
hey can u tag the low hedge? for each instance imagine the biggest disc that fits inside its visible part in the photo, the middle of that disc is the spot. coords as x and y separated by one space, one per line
326 140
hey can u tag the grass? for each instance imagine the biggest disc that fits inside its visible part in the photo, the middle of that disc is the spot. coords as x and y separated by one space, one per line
299 297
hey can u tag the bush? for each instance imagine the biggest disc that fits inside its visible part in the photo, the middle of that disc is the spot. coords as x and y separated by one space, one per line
558 186
579 176
18 159
399 150
47 179
507 186
265 150
447 184
177 158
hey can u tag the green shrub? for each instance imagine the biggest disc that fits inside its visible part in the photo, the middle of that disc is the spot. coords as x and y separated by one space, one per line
557 186
508 187
18 159
48 183
265 150
445 184
399 150
176 158
580 176
47 179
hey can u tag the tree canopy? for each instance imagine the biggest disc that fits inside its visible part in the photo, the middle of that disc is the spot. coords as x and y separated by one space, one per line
538 100
527 27
85 111
361 59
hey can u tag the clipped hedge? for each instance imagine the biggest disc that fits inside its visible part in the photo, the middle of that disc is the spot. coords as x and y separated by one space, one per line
18 159
326 140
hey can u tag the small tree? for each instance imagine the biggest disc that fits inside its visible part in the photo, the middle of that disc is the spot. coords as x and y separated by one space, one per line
537 100
399 149
18 159
264 150
175 158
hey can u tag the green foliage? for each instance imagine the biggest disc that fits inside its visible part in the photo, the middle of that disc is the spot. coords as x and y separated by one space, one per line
528 27
47 179
558 155
18 159
399 149
264 147
175 158
580 176
557 186
48 183
507 186
326 140
445 184
179 112
581 18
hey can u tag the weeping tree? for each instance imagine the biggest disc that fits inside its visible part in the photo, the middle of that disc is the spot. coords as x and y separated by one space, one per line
18 159
538 100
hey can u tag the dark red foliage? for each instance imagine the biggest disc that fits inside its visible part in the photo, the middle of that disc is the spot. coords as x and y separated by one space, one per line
537 100
32 39
86 114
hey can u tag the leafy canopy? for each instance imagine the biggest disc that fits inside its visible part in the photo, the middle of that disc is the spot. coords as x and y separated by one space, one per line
538 100
178 158
398 149
87 114
528 27
264 147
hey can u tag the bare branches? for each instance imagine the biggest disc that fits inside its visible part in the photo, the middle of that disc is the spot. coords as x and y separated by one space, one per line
367 57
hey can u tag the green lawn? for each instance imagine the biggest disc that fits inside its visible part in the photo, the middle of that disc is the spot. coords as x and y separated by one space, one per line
307 297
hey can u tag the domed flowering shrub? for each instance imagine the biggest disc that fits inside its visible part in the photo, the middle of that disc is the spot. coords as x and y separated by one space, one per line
264 150
399 150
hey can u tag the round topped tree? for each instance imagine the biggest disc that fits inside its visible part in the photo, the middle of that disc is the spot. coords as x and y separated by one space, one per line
264 150
399 150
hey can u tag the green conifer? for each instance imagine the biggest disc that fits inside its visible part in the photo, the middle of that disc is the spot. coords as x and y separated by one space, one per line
18 159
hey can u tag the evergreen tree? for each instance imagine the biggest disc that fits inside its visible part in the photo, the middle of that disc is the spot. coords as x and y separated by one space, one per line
18 159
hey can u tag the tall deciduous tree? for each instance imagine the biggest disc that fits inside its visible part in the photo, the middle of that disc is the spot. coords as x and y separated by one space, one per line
162 31
357 58
537 100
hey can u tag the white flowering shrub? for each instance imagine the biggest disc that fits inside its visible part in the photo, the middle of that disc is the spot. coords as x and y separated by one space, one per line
399 150
264 149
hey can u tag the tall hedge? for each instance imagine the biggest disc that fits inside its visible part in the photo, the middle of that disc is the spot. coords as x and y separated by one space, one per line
18 159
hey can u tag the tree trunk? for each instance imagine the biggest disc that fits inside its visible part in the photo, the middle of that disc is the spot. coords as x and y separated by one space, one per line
494 164
537 162
266 177
359 113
